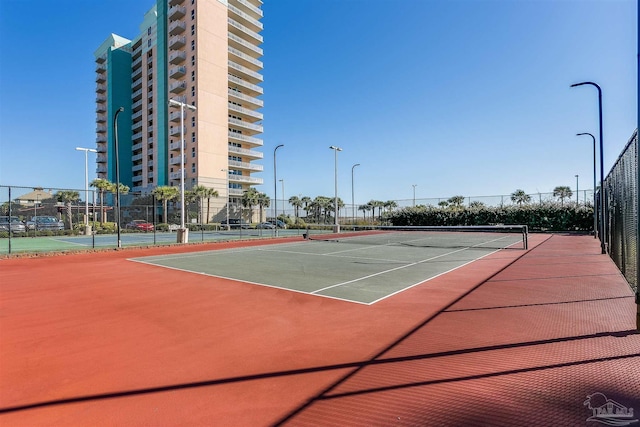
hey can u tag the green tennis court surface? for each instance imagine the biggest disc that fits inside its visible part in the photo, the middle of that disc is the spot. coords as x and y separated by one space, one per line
363 270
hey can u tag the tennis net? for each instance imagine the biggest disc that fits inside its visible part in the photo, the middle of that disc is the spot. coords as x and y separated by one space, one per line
485 237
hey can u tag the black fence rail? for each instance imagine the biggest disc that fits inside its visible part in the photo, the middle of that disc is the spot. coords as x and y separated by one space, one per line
621 212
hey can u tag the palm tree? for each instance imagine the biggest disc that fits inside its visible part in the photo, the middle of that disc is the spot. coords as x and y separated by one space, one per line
443 203
476 204
203 192
456 202
164 193
364 209
68 197
376 204
390 205
306 201
520 197
562 192
297 204
264 202
102 185
250 199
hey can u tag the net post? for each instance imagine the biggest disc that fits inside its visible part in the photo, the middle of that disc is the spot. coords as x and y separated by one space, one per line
525 237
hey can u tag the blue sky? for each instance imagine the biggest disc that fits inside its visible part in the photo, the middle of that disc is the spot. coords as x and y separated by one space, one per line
458 97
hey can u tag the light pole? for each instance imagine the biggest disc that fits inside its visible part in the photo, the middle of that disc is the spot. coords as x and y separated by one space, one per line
336 225
595 212
414 194
353 199
87 229
183 233
577 190
228 198
115 140
283 199
603 231
275 192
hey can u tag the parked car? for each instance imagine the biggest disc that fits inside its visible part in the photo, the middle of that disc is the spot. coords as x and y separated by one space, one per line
235 223
140 224
12 223
45 223
278 223
266 225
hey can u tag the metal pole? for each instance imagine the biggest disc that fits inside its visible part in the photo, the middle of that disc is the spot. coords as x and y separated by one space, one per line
414 194
595 211
275 191
603 230
336 225
283 200
86 185
115 138
577 191
353 200
227 181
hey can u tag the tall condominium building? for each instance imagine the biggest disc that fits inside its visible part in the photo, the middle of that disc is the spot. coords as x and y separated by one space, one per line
204 53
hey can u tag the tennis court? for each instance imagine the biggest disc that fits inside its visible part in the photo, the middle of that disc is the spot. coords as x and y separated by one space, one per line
364 267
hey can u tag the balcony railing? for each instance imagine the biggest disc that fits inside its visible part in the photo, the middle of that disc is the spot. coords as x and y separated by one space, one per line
177 27
246 98
235 81
101 88
257 12
246 165
101 129
247 58
246 152
245 111
178 71
175 146
175 160
251 75
245 179
245 30
177 87
245 125
246 19
177 12
176 42
177 57
245 138
245 44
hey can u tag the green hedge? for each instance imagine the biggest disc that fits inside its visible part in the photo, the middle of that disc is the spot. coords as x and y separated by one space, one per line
544 217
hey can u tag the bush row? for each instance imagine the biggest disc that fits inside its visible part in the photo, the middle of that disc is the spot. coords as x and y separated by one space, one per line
545 217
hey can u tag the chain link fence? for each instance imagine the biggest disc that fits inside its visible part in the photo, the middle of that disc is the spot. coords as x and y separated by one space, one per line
621 211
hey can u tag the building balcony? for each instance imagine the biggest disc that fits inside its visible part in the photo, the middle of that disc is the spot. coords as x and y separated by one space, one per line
136 158
136 73
245 179
136 63
176 175
174 116
247 74
247 88
244 46
236 192
178 71
177 27
136 115
101 67
137 95
137 84
101 118
176 42
101 78
245 111
136 106
136 136
245 19
136 168
245 99
101 139
174 131
102 58
101 108
175 146
246 166
101 88
246 60
177 12
177 57
136 147
101 98
243 31
101 169
177 87
101 129
175 160
136 125
246 152
175 2
101 158
251 140
247 6
242 124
